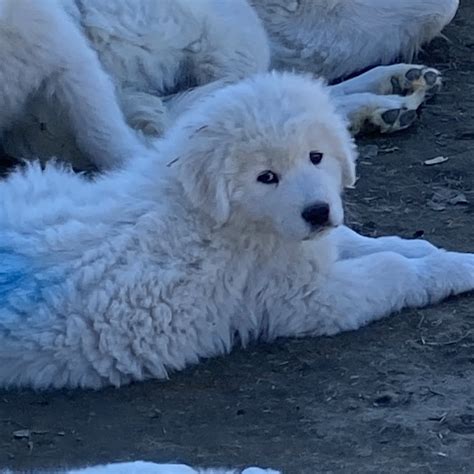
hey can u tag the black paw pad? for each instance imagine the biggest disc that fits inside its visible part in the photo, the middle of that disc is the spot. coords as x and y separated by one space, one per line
431 78
396 88
407 118
413 74
390 116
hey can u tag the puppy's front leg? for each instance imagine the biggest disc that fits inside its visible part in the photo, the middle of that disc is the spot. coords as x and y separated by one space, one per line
350 244
360 290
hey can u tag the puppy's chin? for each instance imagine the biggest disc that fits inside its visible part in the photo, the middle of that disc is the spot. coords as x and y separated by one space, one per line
319 232
310 234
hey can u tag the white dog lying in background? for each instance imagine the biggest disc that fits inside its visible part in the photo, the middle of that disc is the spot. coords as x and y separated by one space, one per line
337 38
73 73
148 270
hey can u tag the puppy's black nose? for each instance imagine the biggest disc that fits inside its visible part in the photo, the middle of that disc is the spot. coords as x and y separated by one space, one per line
317 214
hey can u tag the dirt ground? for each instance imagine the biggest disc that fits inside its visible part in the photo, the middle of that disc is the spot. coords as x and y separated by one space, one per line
395 397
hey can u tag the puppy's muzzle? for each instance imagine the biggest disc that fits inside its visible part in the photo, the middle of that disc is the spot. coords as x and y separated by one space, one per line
316 214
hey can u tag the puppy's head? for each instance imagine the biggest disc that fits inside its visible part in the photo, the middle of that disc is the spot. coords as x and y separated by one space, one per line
270 152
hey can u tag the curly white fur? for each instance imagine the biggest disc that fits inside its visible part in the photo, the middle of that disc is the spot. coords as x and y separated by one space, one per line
153 268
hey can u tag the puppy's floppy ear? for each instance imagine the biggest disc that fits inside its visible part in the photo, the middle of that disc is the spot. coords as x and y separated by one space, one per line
345 151
206 188
348 156
201 171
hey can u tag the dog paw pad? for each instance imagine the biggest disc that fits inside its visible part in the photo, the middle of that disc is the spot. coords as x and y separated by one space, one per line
390 116
396 87
431 78
416 78
407 118
413 74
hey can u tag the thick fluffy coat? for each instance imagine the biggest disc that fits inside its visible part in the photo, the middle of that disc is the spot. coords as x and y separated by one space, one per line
337 38
144 272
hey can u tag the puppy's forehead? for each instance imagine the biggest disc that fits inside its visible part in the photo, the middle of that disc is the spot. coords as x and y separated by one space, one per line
283 145
270 118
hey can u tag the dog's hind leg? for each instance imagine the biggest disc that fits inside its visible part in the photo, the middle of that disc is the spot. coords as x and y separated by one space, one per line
400 79
370 102
42 48
367 112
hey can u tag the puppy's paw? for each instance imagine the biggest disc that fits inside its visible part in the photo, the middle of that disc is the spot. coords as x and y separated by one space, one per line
416 248
409 78
448 273
392 119
463 278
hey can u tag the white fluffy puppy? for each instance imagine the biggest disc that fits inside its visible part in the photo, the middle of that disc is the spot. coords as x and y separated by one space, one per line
140 274
74 73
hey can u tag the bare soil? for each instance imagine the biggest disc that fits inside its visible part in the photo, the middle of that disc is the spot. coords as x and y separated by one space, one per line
394 397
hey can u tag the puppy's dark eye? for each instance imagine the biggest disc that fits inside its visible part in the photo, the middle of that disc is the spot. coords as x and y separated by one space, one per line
315 157
268 177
